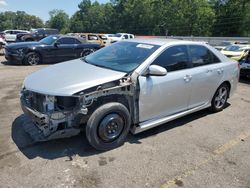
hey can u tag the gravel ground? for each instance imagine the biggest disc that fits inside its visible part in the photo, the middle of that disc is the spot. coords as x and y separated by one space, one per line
199 150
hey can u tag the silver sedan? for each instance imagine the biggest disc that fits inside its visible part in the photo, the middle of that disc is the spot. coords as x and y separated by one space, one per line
132 85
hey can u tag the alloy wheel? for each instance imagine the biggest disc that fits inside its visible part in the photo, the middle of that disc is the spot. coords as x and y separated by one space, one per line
221 97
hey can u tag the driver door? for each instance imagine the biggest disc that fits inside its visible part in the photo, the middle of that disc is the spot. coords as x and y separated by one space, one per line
66 49
162 96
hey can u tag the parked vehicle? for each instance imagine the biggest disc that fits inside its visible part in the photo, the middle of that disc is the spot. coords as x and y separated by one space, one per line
11 35
121 36
223 45
130 85
245 65
236 52
36 34
100 39
2 44
52 49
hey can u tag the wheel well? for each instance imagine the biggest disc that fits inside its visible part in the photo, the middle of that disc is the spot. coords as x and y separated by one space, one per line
104 100
29 51
229 86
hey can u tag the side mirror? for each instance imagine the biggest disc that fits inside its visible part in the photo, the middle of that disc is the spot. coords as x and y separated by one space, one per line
156 70
56 44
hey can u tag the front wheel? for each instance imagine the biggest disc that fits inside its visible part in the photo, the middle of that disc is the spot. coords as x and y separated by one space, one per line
220 98
108 126
32 58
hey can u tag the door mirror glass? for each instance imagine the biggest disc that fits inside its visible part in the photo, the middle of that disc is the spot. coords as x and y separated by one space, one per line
156 70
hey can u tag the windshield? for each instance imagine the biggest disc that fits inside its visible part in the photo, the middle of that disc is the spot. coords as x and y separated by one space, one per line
233 48
49 40
121 56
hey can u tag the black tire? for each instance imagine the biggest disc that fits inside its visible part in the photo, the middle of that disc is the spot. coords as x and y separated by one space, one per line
32 58
86 52
219 100
100 124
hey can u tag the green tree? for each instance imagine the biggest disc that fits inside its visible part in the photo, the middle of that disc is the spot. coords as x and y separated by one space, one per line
58 20
19 20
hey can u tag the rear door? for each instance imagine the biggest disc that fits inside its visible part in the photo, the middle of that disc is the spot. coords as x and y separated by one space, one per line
166 95
207 73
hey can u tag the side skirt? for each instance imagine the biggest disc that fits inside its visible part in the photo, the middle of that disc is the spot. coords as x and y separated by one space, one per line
143 126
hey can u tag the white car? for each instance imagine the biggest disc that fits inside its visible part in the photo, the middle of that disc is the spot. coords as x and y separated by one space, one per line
10 35
121 36
130 85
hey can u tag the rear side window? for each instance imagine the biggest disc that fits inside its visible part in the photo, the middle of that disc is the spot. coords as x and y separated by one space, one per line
200 55
174 58
67 41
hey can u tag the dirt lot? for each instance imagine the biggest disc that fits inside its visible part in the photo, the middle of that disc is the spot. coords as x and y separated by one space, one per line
200 150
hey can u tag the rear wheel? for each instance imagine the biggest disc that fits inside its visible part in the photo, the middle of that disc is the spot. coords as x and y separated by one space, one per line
108 126
32 58
220 98
86 52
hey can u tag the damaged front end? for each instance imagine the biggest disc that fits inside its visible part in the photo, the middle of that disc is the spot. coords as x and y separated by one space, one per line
54 117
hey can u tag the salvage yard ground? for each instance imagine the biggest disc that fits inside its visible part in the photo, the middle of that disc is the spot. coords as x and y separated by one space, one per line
199 150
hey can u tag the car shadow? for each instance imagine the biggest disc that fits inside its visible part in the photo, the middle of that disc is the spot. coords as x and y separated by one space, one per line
245 80
78 145
7 63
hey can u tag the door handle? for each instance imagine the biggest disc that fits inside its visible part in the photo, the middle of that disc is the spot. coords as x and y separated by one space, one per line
220 71
187 78
209 70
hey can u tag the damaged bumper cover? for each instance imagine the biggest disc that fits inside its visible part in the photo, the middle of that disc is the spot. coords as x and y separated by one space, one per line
49 125
54 117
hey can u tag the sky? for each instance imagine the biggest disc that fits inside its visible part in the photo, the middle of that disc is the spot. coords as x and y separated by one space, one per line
42 7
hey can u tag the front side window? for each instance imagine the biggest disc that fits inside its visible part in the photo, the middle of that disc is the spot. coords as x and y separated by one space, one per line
125 36
200 55
173 59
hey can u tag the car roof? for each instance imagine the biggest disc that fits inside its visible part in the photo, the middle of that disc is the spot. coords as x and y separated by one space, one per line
161 42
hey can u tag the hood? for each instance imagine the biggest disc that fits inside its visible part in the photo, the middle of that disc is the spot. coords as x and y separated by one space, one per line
66 79
23 45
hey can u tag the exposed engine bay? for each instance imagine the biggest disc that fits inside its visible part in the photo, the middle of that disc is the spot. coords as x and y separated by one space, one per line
62 116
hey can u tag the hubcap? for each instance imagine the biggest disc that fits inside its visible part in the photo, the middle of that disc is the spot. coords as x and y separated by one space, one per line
111 127
221 97
33 59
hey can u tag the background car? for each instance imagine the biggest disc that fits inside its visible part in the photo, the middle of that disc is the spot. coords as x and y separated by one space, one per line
11 35
121 36
96 38
235 52
36 34
245 65
222 45
55 48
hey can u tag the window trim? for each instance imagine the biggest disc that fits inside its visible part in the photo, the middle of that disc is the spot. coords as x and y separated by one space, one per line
211 52
66 38
174 45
